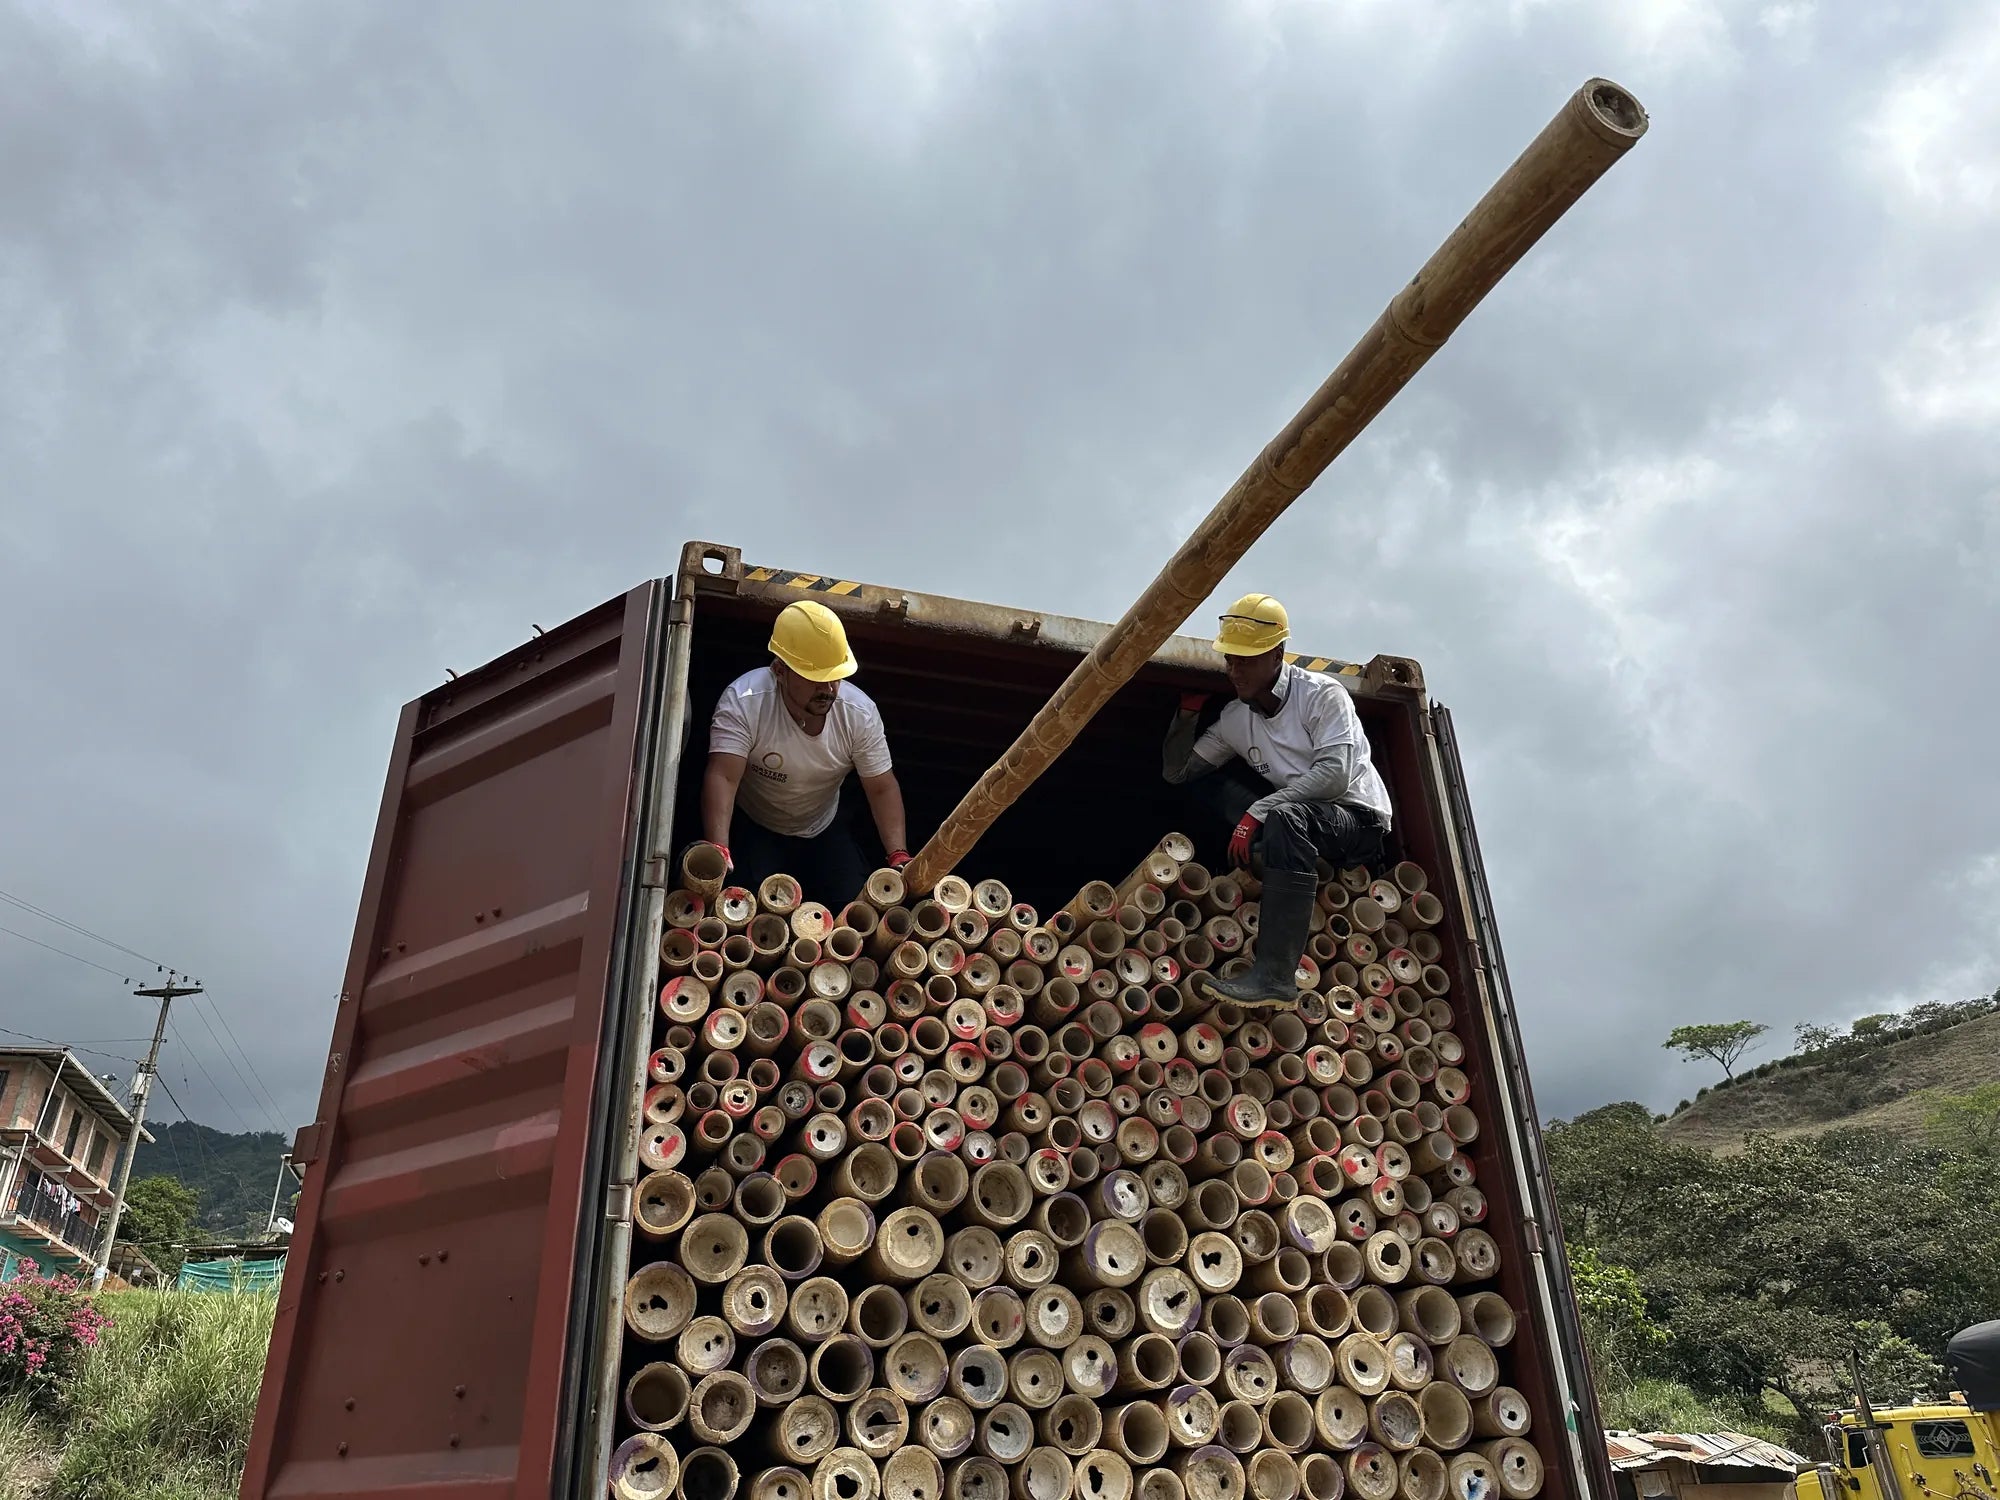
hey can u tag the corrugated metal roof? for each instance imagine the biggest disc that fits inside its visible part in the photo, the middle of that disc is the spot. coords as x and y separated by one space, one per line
1707 1450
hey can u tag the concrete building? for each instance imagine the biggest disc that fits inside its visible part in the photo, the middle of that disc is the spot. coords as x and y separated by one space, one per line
61 1131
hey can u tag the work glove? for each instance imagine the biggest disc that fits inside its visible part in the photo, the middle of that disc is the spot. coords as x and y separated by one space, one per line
1239 841
1193 703
898 858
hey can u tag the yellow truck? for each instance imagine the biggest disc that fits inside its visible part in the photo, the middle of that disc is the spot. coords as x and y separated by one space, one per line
1949 1451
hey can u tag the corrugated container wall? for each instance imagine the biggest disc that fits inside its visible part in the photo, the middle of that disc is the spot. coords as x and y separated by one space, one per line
449 1323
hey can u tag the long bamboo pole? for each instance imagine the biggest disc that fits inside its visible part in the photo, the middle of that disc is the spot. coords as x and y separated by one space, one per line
1591 131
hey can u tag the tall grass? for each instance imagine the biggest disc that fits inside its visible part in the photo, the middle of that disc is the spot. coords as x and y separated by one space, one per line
162 1407
24 1455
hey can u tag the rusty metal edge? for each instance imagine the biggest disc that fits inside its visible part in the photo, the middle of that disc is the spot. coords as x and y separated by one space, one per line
715 569
1589 1457
558 1375
599 1298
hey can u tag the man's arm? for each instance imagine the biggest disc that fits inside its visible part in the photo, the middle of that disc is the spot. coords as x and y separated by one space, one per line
1182 758
1325 780
718 795
885 801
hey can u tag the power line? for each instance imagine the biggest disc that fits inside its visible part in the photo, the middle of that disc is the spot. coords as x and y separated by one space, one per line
80 930
270 1108
258 1093
200 1150
195 1058
66 953
270 1103
49 1041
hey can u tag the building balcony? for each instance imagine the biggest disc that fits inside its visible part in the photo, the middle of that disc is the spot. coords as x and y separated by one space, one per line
39 1210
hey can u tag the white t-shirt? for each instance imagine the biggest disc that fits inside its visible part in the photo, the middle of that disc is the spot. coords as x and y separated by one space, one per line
791 779
1315 720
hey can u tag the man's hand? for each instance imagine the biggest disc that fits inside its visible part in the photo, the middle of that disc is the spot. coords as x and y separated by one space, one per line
898 858
1193 703
1239 841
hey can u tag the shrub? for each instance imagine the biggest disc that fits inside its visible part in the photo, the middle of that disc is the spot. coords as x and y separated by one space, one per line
47 1325
1683 1105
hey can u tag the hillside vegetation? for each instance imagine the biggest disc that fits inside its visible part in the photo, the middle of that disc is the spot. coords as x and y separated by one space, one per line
1736 1283
1883 1077
232 1175
1726 1259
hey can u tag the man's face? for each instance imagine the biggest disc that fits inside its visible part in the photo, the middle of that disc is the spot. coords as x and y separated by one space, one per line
803 695
1252 676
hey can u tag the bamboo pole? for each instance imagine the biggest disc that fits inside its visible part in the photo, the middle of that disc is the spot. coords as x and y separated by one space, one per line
1034 1279
1597 125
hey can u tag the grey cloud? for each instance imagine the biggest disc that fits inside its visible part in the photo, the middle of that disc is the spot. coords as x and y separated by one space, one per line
343 344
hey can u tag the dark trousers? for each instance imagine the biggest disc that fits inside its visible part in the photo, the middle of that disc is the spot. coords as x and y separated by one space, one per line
1295 835
830 868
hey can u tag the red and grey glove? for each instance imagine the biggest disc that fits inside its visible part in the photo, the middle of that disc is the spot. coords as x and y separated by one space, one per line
898 858
1239 841
1193 703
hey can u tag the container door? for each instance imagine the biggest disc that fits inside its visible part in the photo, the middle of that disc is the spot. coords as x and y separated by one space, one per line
426 1339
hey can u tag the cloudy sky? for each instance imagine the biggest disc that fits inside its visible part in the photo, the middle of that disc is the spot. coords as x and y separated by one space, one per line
339 343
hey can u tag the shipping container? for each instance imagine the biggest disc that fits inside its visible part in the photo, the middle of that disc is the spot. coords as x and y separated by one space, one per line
450 1324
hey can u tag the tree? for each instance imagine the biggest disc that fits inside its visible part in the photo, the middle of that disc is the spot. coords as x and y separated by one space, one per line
1621 1337
1813 1038
233 1174
1872 1027
1968 1123
1897 1371
1724 1041
160 1218
1614 1171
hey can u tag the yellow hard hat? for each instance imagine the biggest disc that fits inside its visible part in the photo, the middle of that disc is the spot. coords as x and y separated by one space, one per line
1252 625
808 638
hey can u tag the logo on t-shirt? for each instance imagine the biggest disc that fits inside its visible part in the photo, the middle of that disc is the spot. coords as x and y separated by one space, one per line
771 767
1256 757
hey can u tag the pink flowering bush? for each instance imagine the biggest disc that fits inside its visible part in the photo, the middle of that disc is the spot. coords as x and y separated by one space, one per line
46 1325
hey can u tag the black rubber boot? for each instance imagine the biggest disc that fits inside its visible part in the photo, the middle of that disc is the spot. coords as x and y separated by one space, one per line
1284 917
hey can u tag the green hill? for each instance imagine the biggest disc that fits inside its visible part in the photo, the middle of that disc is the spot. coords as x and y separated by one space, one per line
1879 1080
232 1174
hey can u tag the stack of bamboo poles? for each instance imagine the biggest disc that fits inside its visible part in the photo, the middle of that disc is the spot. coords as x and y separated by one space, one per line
949 1199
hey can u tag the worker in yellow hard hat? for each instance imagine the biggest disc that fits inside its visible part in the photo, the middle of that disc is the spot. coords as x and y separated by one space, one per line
780 748
1287 768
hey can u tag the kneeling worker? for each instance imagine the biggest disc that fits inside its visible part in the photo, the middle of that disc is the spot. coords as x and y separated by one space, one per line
1305 787
780 746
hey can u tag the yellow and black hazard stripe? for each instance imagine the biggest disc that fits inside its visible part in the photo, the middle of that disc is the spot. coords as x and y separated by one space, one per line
814 583
810 583
1324 663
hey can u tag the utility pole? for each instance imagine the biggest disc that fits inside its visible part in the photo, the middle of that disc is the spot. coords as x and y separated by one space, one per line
142 1086
278 1191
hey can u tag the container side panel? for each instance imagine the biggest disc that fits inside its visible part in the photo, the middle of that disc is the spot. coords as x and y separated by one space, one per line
419 1345
1508 1149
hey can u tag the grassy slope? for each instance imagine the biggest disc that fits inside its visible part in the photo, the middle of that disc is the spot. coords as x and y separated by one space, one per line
161 1410
1879 1089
